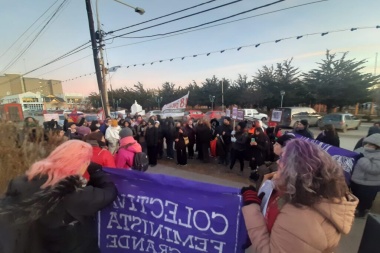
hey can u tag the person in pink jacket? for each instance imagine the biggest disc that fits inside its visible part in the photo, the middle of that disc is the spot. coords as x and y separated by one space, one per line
128 148
309 209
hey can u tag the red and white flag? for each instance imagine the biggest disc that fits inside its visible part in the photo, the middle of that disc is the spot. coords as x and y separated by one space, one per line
101 115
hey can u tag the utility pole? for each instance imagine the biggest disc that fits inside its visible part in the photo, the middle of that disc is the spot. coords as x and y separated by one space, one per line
223 95
104 70
96 59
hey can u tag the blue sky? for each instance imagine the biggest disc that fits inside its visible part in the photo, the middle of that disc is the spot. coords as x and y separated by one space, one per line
70 29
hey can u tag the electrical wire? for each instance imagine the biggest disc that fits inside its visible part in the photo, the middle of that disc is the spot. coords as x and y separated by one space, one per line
71 52
225 23
15 42
183 17
34 39
164 16
258 44
192 27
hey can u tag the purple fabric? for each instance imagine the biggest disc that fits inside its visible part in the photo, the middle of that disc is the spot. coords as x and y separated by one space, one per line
344 157
159 213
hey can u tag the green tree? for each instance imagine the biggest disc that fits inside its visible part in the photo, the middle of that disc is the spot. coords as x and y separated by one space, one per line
270 81
338 82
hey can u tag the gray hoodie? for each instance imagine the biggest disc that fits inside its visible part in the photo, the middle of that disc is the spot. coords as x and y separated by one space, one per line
367 169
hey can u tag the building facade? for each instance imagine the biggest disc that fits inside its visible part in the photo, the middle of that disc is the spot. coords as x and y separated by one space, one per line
13 84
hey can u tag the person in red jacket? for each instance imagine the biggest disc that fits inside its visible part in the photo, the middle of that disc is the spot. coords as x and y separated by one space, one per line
100 155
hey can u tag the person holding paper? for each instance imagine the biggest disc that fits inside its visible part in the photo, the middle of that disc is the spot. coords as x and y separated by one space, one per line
311 207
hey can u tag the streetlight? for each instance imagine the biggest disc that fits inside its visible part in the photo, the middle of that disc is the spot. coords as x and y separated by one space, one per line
97 37
282 96
159 100
212 99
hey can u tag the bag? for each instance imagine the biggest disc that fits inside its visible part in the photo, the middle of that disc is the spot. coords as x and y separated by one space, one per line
140 162
186 139
213 148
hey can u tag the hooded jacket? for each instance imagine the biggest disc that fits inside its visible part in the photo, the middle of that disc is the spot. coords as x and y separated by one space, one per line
102 156
55 219
314 229
125 156
367 169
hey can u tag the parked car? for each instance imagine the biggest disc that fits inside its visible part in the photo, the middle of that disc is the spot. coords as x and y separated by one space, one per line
287 116
254 114
176 114
151 113
193 114
341 121
214 115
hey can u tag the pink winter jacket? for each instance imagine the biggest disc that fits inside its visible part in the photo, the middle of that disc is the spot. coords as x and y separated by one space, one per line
314 229
125 156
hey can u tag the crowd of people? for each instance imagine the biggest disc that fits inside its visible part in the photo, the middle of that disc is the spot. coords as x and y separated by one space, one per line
311 198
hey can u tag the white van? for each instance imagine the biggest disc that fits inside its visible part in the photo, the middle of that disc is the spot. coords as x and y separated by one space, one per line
287 116
254 114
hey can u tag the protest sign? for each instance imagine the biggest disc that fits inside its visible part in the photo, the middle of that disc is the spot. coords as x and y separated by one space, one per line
234 112
50 116
240 115
180 103
276 116
159 213
347 159
228 113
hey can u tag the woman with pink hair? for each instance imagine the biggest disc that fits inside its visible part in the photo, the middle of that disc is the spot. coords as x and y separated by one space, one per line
52 207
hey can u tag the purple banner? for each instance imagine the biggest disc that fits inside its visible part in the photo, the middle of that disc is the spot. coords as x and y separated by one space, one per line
158 213
346 158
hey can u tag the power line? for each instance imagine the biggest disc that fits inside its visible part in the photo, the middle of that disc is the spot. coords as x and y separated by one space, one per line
256 45
15 42
173 20
203 24
71 52
215 25
164 16
34 39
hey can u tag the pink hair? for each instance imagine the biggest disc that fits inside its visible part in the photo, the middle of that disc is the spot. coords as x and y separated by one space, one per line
66 160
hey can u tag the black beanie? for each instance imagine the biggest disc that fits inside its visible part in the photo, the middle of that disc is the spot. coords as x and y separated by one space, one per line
282 140
242 124
304 122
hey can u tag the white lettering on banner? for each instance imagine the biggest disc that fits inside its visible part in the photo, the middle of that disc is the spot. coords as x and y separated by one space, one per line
142 245
164 211
180 103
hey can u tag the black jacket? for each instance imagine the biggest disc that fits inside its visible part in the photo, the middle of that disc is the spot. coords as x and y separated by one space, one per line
180 144
55 219
191 134
151 136
241 141
203 134
329 139
227 133
305 132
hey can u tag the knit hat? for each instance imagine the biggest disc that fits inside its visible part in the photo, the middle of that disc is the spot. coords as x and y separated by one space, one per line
114 123
83 130
373 139
373 130
93 127
96 136
242 124
282 140
304 122
125 132
151 121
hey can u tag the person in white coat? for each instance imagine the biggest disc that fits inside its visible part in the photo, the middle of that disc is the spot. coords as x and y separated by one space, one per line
112 136
365 180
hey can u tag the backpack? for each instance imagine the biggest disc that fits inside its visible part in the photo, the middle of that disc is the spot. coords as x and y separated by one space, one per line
140 160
